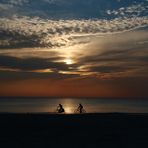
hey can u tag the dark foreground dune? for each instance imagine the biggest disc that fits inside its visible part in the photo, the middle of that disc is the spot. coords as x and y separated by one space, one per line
73 131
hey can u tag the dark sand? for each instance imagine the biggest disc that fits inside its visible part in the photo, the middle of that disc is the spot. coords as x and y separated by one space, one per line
74 131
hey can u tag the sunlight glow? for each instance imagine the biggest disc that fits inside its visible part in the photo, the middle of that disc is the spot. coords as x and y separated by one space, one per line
68 61
68 110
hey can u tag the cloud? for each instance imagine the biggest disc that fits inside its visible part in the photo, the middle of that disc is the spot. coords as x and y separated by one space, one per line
70 9
107 69
109 51
17 2
133 10
9 75
36 32
5 7
108 56
15 39
100 46
117 55
29 64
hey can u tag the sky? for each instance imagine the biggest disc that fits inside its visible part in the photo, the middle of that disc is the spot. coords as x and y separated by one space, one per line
74 48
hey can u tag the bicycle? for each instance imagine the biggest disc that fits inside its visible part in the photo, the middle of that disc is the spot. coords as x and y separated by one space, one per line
78 111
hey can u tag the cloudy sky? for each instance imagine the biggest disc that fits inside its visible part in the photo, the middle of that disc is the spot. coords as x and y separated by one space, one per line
74 48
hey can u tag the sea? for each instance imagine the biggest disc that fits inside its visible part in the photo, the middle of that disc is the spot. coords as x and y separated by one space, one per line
91 105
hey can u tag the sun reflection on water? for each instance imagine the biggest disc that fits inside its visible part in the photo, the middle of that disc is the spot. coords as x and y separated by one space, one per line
69 110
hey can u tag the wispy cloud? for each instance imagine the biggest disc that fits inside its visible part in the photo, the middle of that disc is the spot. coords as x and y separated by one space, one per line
17 2
109 56
131 11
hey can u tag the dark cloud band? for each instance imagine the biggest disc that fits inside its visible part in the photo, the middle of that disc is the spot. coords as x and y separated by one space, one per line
31 63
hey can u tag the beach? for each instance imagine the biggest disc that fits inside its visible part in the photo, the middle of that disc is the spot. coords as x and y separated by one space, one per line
104 130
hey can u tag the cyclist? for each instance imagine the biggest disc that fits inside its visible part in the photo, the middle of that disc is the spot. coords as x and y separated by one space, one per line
60 109
80 108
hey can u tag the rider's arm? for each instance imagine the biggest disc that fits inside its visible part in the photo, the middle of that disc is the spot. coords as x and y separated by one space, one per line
58 108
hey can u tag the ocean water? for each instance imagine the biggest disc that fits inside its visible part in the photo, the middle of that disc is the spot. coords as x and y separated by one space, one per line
91 105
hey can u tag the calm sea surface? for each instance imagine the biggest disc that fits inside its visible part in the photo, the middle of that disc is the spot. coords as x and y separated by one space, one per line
91 105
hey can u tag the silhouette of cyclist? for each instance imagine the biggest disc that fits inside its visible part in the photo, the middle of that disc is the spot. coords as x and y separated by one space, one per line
60 109
80 108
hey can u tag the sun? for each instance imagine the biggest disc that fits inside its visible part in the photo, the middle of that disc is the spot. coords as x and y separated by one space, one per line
68 61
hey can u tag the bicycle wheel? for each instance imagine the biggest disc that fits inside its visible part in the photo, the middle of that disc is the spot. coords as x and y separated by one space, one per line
83 111
76 111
